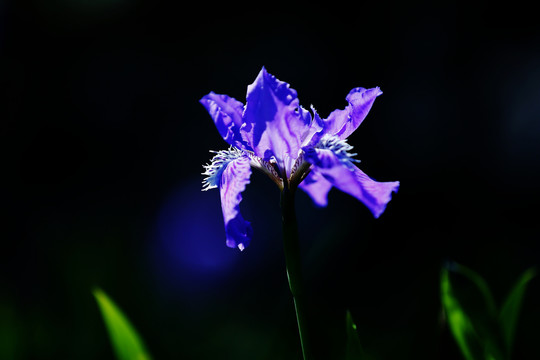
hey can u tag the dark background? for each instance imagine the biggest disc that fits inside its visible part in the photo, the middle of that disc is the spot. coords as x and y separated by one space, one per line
103 140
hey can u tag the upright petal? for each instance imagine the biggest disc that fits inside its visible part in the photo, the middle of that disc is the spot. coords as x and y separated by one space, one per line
348 178
227 115
234 179
314 132
360 101
343 123
273 123
317 187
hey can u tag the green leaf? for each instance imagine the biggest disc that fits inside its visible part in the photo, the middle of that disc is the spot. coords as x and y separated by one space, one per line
511 307
354 349
459 322
481 284
126 342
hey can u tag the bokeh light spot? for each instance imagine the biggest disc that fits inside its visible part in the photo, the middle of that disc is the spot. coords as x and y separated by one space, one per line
192 237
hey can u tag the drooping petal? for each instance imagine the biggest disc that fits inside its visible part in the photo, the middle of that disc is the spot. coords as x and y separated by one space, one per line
273 123
227 115
234 179
343 123
317 187
350 179
230 171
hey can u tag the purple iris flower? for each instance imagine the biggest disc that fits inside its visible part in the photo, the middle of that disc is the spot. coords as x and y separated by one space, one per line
274 134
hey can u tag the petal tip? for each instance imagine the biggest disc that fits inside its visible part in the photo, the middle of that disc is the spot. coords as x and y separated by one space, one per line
393 187
262 75
207 97
320 204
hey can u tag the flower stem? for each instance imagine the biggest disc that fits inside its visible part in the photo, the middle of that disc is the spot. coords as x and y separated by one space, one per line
291 247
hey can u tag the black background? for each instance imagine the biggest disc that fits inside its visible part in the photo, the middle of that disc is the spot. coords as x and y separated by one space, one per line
103 141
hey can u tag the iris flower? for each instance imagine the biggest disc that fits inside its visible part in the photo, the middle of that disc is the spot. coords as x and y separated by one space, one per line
295 148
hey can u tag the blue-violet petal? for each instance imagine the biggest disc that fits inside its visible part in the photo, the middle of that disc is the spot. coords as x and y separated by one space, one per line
343 123
317 187
273 122
227 115
351 180
230 170
234 179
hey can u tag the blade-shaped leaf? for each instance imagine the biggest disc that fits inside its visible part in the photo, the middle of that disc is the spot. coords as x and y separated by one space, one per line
354 348
481 284
511 307
126 342
459 322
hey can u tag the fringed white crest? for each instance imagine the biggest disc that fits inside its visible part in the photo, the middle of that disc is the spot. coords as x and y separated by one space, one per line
217 164
339 147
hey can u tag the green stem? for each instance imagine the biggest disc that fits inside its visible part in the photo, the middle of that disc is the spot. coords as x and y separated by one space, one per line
291 248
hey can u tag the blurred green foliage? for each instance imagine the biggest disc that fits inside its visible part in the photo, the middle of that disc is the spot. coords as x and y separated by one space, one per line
481 334
126 342
460 324
511 307
8 332
354 349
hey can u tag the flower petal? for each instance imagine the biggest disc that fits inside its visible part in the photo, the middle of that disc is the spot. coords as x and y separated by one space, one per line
317 187
227 115
314 133
273 123
234 179
343 123
351 180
